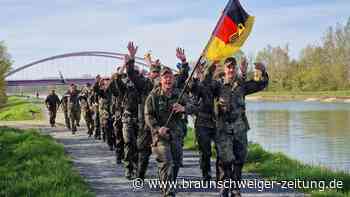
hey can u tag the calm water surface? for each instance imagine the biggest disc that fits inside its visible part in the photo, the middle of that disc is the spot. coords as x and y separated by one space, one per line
313 132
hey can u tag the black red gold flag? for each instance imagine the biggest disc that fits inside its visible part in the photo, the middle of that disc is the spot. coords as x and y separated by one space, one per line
231 31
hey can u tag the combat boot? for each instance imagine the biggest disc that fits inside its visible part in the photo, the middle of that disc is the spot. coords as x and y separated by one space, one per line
128 174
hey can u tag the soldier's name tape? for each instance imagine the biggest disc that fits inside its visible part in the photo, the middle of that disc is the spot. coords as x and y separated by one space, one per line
260 185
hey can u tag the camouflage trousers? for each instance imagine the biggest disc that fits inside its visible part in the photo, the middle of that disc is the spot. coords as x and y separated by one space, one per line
168 155
144 142
205 137
118 132
232 144
52 115
97 124
87 114
107 129
74 116
130 129
66 119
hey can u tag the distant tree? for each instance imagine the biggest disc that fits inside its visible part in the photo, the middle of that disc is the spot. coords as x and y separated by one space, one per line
5 64
319 67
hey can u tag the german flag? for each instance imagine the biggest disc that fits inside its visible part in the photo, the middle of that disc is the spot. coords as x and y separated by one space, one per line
230 33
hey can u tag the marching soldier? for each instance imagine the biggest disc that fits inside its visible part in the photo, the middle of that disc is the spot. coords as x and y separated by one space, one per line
166 138
105 104
205 90
64 104
129 89
117 111
52 103
73 107
96 116
232 125
144 137
86 108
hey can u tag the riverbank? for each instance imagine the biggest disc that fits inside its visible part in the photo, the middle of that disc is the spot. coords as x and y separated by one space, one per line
36 165
21 108
279 167
320 96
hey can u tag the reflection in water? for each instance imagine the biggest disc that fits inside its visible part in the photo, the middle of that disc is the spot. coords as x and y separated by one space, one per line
313 132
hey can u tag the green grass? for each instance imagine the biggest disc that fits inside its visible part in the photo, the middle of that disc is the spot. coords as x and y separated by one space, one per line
190 142
35 165
20 108
277 166
343 93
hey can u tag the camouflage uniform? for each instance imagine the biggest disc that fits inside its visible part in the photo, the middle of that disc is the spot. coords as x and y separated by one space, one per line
144 137
96 116
64 104
232 126
86 108
180 81
52 101
105 103
73 109
168 150
205 92
117 112
129 89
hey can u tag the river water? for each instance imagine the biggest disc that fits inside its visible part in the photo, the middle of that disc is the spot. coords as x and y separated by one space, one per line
313 132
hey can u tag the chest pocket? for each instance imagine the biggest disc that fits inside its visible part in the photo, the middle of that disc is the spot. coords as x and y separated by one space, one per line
163 106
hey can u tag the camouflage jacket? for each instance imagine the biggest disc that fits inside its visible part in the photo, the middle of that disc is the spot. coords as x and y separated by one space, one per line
73 100
129 89
205 92
86 99
104 99
230 103
158 108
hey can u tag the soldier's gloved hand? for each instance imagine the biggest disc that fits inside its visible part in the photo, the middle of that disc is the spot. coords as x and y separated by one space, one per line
163 132
177 108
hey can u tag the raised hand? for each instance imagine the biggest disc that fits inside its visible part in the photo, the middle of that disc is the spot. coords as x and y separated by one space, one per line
132 50
180 54
148 58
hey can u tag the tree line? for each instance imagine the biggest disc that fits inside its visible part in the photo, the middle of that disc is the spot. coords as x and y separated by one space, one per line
5 64
320 67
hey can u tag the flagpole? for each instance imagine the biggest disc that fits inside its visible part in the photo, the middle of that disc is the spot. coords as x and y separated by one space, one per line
198 61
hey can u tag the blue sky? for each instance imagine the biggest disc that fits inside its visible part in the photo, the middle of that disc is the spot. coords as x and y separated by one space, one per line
38 29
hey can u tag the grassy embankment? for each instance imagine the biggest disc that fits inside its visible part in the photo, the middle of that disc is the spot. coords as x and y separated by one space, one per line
20 108
35 165
279 167
290 95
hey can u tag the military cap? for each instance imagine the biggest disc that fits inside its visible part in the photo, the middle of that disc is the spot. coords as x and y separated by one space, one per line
166 70
155 68
230 61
